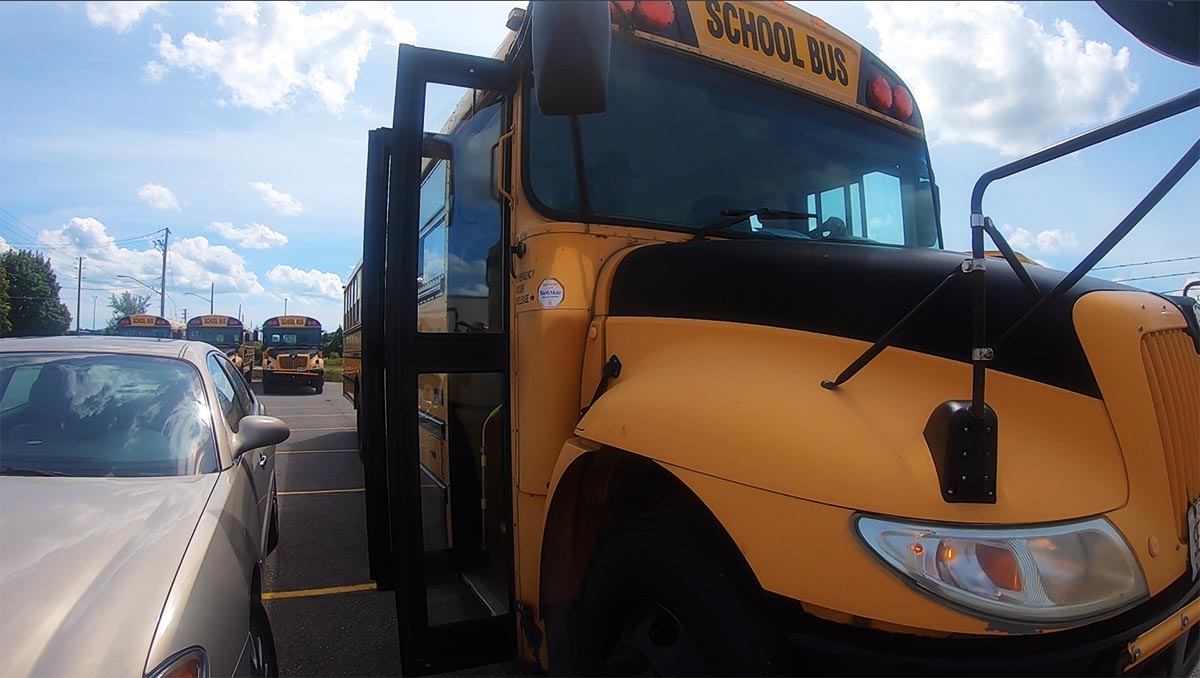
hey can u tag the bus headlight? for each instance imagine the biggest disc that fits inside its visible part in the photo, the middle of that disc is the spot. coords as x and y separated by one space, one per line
1054 574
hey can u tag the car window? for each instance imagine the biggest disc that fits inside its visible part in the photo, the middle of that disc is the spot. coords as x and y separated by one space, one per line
227 398
16 393
245 400
92 414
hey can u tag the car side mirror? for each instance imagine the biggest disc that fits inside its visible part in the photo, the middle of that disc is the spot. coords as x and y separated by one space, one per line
572 44
257 431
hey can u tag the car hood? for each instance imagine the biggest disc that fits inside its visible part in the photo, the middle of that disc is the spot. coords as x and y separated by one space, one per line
85 566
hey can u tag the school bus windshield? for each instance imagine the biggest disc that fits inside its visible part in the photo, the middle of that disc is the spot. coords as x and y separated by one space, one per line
308 337
683 140
223 337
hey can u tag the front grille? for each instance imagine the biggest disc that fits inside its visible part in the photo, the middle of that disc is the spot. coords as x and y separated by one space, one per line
1173 369
287 362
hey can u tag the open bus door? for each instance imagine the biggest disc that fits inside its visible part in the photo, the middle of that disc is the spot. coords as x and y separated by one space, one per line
435 368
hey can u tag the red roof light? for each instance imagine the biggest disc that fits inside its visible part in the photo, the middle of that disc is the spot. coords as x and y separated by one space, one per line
902 102
653 15
879 94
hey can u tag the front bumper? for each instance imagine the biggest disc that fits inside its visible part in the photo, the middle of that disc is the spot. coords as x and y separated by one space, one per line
289 375
1102 648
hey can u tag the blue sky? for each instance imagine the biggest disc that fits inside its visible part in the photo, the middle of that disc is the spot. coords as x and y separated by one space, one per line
243 129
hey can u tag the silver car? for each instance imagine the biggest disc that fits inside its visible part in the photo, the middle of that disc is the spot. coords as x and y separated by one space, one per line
137 503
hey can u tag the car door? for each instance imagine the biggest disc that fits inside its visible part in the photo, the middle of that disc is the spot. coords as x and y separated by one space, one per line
264 461
249 468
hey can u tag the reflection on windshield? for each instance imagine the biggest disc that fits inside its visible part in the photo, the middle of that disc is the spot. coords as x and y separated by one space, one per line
680 141
103 415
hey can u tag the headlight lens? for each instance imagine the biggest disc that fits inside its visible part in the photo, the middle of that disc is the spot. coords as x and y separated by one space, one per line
191 663
1052 574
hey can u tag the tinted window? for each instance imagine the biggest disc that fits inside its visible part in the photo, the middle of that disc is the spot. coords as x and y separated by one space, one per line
245 400
289 337
227 397
103 415
217 336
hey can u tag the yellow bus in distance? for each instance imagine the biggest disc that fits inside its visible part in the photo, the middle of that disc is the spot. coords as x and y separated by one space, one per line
292 352
146 325
228 334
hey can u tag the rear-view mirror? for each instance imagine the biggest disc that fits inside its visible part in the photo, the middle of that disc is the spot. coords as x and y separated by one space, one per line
572 41
257 431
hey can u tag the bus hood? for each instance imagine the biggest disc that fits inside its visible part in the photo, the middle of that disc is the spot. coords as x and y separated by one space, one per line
724 345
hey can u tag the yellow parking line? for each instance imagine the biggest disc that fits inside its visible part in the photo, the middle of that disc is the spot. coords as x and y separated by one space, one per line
307 593
309 451
342 491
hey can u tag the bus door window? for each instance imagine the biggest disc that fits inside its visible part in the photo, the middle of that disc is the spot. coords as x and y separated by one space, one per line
460 289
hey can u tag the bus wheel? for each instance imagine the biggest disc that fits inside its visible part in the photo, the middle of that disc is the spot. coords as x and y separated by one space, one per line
320 386
268 384
661 598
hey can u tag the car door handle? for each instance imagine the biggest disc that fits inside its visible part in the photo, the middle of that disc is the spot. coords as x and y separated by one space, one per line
262 459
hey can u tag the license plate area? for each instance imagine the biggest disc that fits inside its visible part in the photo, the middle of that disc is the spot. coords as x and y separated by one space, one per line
1193 531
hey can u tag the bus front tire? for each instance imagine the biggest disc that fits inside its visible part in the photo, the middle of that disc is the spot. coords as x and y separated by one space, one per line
268 384
320 387
662 598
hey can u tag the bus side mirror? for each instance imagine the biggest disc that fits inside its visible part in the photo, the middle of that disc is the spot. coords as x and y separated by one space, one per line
572 43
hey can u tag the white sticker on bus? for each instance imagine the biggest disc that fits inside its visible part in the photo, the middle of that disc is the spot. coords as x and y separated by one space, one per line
550 293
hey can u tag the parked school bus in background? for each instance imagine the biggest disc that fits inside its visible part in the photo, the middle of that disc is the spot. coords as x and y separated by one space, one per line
146 325
606 412
352 335
228 334
291 353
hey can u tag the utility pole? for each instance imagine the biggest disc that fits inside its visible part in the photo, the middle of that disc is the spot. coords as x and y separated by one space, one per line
285 305
185 315
162 299
78 294
212 294
93 312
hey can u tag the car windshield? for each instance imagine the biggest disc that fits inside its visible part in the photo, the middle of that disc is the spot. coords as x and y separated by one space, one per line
681 141
224 337
309 337
89 414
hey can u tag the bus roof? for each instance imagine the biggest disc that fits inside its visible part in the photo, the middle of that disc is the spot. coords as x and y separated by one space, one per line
144 320
214 321
292 321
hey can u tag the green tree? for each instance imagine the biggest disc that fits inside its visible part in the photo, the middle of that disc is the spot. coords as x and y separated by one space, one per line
5 306
332 343
126 304
33 296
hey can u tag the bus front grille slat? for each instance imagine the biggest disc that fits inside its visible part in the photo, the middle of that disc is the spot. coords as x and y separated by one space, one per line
1173 370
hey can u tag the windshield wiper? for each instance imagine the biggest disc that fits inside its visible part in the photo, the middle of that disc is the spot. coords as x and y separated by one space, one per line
729 217
14 471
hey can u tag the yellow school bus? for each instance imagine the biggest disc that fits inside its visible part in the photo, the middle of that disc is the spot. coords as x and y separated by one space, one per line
291 353
228 334
666 372
352 335
146 325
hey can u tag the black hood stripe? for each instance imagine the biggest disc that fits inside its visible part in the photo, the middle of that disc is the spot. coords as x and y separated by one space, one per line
856 291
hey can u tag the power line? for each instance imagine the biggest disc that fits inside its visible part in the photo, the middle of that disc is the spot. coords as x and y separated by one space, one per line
1156 277
1146 263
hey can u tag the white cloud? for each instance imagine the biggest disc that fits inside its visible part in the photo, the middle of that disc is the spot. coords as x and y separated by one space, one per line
154 71
192 263
159 197
4 246
305 285
275 51
253 236
1049 241
984 72
120 15
280 201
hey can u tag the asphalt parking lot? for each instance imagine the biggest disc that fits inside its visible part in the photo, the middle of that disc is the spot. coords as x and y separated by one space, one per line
327 618
326 615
